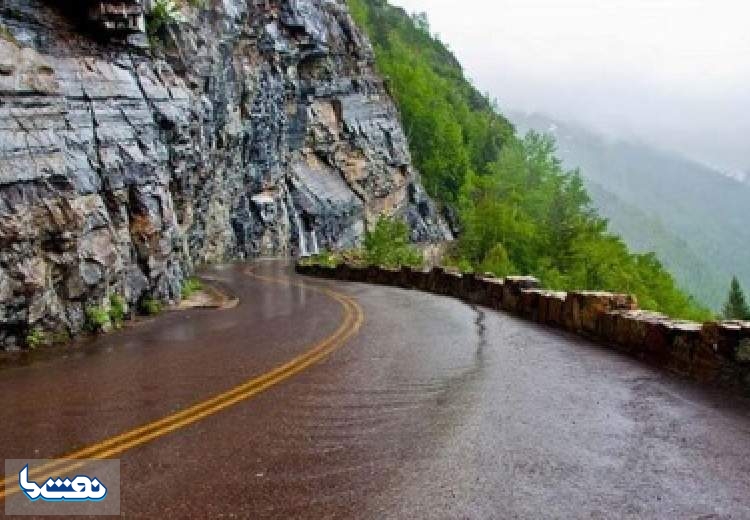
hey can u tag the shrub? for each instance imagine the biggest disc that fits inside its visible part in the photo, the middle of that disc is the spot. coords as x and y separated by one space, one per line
162 14
36 338
496 261
97 319
151 306
117 310
388 244
61 337
190 286
464 266
354 256
325 258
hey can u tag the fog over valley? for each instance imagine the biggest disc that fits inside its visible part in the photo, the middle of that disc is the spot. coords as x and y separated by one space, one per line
674 74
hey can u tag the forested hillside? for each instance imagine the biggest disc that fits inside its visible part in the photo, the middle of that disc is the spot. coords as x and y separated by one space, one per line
520 211
696 219
643 231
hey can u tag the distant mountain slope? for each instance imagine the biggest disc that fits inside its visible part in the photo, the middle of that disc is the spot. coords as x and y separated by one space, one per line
645 233
519 211
696 220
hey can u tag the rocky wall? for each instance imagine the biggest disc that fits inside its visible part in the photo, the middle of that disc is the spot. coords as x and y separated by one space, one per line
253 128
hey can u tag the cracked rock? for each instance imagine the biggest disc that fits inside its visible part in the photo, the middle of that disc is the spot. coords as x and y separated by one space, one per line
258 128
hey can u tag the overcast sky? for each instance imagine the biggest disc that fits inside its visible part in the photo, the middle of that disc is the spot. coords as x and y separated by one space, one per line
675 73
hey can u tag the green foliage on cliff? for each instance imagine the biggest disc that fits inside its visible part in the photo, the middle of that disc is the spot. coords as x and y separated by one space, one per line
736 307
117 310
452 128
151 307
387 244
190 286
97 319
36 338
162 14
519 210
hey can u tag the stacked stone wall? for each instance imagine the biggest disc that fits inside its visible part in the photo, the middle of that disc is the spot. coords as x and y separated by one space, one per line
713 352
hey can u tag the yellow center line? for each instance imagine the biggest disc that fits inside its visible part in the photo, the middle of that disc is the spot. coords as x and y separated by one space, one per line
353 319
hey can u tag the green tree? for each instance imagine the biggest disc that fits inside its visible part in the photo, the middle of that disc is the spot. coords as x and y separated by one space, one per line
736 307
388 244
497 262
520 212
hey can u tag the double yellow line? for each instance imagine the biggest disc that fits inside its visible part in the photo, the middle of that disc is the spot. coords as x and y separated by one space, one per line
114 446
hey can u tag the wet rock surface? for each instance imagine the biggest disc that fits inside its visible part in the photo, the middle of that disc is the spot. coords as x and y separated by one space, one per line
252 129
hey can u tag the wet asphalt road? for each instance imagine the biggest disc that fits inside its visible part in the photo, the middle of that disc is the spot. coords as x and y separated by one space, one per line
433 410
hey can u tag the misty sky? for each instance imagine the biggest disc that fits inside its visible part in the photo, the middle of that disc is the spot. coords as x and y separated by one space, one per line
675 73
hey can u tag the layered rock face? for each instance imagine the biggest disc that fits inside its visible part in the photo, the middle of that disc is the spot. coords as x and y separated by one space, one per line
255 128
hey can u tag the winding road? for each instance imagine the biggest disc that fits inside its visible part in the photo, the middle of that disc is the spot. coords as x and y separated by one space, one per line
316 399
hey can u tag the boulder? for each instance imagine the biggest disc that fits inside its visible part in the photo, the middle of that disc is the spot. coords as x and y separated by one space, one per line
582 309
551 307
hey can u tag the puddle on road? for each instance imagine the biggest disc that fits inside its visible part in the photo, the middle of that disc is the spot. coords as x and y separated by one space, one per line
481 327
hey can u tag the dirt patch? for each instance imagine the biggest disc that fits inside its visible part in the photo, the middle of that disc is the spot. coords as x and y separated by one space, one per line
209 297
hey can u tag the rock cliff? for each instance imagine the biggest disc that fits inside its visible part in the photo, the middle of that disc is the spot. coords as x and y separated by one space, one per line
251 128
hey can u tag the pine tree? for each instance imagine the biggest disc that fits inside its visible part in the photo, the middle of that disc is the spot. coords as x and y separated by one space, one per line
736 307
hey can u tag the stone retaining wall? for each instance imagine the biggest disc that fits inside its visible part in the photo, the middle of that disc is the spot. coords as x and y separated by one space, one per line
714 352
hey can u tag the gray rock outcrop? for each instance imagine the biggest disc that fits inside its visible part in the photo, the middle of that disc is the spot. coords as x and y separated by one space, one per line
256 127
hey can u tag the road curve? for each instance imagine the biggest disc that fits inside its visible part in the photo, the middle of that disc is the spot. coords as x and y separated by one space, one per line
427 408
